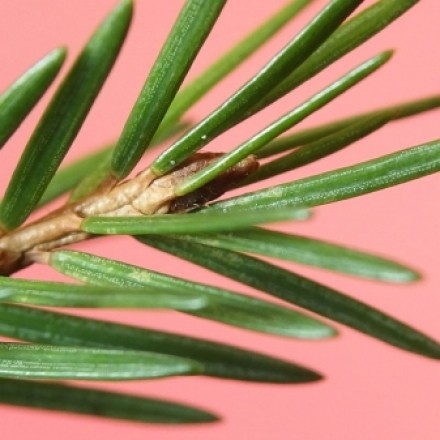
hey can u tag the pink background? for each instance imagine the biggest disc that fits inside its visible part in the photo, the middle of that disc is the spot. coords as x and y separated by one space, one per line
371 390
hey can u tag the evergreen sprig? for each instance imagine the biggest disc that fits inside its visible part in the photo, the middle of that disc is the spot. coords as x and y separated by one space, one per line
170 206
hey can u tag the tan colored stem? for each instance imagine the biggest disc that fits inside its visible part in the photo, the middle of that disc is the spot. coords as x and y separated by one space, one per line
143 195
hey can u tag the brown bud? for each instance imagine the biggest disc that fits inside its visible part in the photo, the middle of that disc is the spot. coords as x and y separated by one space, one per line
216 187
